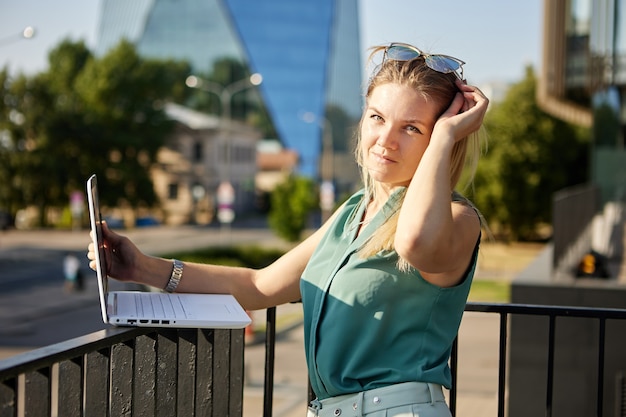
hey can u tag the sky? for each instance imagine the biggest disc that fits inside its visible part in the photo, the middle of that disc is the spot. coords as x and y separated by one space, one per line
496 38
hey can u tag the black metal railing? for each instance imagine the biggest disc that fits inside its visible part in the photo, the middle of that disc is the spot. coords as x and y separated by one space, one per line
191 372
505 311
552 313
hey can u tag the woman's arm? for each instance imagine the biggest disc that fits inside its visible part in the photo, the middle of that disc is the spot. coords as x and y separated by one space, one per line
434 234
276 284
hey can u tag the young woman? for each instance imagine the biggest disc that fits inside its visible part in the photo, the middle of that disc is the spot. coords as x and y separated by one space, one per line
385 280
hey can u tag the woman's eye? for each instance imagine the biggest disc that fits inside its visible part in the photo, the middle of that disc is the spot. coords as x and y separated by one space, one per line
376 117
413 129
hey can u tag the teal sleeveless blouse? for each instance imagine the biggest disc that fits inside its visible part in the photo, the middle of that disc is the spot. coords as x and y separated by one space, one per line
366 323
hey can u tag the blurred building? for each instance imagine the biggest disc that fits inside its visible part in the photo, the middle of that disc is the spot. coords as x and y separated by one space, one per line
582 81
274 163
308 54
192 156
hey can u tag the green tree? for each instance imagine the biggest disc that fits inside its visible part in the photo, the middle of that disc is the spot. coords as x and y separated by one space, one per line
85 115
124 96
291 204
8 193
531 155
45 135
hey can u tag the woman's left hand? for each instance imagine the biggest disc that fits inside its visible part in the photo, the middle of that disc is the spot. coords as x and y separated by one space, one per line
466 112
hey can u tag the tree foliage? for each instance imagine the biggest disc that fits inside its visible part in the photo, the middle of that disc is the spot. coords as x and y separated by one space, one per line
531 155
85 115
124 95
291 204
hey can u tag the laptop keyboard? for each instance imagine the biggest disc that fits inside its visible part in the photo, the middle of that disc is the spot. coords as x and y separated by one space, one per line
159 305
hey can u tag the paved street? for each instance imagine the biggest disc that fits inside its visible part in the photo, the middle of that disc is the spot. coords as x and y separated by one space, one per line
36 311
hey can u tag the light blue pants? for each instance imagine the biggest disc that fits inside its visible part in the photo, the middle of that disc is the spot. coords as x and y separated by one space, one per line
409 399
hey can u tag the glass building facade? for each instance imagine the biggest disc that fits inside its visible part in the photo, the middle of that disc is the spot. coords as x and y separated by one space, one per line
307 52
583 80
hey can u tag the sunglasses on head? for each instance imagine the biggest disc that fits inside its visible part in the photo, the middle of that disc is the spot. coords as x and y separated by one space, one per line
444 64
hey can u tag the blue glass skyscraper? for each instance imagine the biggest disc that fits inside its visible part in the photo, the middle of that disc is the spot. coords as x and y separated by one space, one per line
307 52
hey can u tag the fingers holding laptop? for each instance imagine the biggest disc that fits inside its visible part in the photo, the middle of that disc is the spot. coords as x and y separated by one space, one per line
120 254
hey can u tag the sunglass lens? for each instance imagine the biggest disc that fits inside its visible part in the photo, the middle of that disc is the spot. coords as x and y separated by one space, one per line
401 53
442 63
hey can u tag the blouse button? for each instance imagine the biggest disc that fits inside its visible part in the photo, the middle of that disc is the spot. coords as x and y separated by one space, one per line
337 412
376 400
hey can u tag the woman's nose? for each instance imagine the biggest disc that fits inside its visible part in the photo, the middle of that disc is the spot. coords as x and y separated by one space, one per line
386 139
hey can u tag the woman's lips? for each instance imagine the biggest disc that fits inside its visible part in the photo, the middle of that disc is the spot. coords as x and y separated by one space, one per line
382 158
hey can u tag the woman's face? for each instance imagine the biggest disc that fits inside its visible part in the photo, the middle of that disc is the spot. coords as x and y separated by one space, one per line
395 132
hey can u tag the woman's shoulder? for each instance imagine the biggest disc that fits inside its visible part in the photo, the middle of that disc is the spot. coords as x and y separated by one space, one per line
461 199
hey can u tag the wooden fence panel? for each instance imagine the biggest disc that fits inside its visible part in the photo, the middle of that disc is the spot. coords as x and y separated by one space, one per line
166 374
70 391
97 383
37 401
122 364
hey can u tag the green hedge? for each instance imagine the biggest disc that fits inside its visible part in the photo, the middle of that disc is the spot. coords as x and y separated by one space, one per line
245 256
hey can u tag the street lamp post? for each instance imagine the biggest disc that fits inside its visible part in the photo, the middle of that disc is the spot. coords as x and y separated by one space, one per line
27 33
225 94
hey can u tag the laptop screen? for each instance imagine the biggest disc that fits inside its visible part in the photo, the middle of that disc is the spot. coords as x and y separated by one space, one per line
96 229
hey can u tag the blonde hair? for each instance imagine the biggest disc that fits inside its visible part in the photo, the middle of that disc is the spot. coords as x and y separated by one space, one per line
433 86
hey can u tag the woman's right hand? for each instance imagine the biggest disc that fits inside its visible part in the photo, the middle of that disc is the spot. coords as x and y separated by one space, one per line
465 114
121 255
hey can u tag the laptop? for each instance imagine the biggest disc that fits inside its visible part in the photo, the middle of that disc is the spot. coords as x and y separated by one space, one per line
157 309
